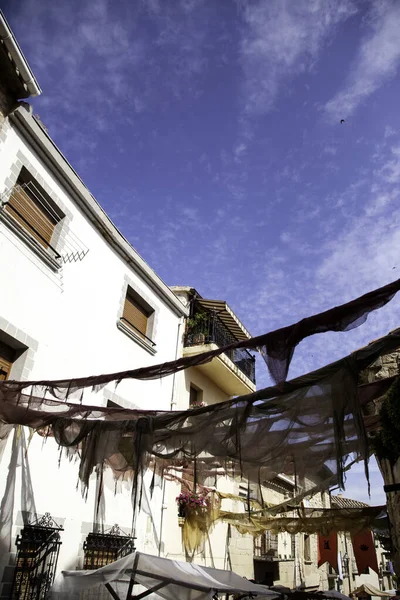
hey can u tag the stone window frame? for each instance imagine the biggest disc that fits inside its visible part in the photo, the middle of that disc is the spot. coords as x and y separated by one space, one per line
23 365
152 323
5 127
62 228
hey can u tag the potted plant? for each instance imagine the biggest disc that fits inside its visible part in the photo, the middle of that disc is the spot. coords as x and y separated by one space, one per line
195 326
189 501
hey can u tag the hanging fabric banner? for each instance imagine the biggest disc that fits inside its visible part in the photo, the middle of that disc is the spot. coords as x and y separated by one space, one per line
328 550
364 552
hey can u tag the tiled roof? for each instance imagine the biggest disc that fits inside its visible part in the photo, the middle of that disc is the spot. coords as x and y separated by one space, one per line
340 502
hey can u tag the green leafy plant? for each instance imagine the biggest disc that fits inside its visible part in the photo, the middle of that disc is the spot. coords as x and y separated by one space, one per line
197 322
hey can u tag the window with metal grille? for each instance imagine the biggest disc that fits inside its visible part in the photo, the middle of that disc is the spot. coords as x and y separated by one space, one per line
7 357
33 210
38 546
101 549
136 315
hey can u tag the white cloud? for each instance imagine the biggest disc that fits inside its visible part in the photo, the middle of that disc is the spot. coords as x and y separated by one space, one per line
380 201
330 150
390 172
390 131
333 249
285 237
239 151
282 39
99 67
377 60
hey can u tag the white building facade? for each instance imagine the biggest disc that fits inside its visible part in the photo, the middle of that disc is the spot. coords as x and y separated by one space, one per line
76 299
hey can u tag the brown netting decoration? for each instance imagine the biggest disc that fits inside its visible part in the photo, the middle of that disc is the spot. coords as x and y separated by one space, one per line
310 425
276 347
307 520
200 521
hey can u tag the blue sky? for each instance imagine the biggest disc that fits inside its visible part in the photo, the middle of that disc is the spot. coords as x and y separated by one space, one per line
210 132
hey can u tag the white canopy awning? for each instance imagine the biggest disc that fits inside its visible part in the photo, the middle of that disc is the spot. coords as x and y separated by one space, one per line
370 590
170 579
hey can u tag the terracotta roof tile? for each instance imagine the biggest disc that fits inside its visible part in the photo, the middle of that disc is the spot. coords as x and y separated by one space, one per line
340 502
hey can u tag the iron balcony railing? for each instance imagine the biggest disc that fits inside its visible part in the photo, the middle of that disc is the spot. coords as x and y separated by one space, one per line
101 549
209 329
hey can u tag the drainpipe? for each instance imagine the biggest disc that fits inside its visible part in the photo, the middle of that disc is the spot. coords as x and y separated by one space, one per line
173 402
163 507
172 406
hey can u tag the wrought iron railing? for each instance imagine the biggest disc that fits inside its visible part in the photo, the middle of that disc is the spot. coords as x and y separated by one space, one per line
38 546
18 204
209 329
101 549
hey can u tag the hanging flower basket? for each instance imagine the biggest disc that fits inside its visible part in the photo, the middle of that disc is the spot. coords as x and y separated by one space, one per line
188 502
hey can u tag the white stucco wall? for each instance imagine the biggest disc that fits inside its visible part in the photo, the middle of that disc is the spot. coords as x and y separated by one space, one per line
219 550
72 319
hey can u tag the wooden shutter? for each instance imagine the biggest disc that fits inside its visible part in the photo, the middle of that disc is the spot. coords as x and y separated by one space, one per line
7 356
30 215
135 315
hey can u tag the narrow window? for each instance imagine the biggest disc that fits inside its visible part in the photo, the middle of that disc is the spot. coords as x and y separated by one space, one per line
307 548
195 397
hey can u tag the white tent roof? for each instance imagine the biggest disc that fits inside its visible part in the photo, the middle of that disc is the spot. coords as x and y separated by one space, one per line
170 579
370 590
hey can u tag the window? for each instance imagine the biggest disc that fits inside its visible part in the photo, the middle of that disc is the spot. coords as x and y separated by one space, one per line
136 315
33 210
266 544
7 357
195 397
307 548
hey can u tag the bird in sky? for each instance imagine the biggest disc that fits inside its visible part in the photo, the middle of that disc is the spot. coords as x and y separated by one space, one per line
342 121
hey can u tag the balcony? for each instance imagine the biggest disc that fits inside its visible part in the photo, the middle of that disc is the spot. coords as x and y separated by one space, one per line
207 329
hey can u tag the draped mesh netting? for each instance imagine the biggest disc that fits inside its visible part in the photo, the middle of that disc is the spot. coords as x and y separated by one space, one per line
309 423
276 347
289 516
307 520
198 522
